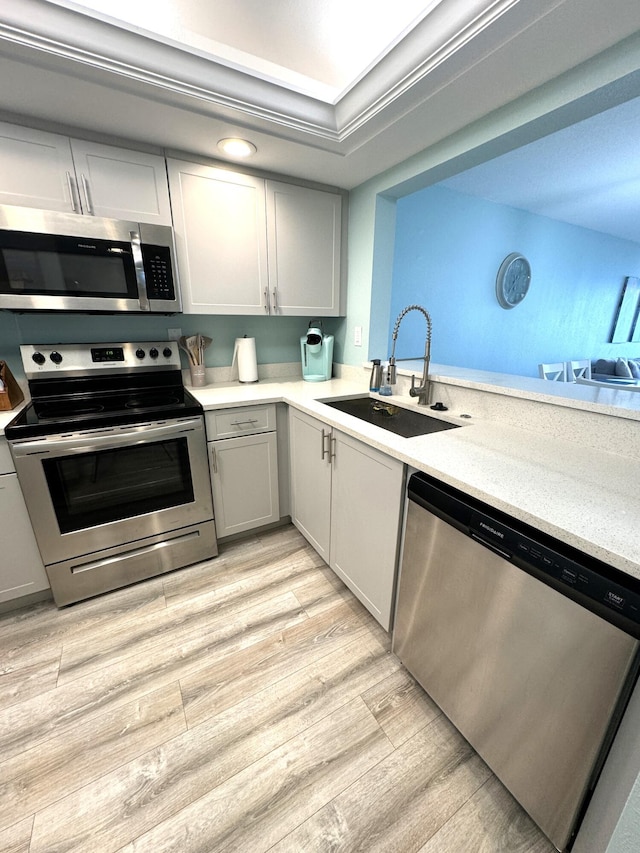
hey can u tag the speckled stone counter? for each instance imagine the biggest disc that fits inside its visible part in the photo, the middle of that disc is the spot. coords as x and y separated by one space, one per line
549 471
584 497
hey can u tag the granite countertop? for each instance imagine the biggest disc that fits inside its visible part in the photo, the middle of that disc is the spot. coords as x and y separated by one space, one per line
7 417
585 498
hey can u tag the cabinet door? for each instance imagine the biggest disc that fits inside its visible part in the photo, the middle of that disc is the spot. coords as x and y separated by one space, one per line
304 237
309 442
121 184
36 169
244 476
366 502
219 220
21 569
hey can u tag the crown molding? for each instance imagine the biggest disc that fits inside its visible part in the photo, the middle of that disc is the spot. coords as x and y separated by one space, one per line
33 30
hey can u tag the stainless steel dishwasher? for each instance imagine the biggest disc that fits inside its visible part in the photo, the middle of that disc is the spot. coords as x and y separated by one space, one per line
527 645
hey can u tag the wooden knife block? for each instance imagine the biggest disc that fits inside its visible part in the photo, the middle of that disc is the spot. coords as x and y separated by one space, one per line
10 392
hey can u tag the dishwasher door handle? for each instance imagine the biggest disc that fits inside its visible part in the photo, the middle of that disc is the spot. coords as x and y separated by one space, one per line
491 546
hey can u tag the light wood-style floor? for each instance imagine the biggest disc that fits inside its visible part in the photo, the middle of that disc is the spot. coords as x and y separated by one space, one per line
249 704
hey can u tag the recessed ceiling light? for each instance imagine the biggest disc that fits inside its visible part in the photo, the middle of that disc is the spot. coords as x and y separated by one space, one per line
238 148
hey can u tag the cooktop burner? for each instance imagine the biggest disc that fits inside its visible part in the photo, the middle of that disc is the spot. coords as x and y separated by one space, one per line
45 411
93 386
153 402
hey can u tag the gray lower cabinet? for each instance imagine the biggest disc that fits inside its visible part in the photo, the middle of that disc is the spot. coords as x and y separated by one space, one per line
243 460
21 569
347 500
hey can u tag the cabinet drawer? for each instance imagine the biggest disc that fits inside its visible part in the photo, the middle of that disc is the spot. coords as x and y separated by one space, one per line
246 420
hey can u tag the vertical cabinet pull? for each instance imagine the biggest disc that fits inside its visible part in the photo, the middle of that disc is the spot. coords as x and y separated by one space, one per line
87 197
266 300
275 301
330 449
72 193
214 460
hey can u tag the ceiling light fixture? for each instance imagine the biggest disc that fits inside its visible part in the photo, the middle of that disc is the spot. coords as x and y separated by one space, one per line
237 148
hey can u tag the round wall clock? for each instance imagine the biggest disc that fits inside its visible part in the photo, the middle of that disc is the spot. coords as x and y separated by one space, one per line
513 279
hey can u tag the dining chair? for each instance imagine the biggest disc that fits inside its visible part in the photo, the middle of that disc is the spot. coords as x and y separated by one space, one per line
578 369
555 371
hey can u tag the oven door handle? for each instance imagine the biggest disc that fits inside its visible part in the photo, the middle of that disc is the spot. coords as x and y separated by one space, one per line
103 441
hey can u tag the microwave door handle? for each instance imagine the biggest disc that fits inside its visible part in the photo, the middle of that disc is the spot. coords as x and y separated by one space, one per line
77 444
138 263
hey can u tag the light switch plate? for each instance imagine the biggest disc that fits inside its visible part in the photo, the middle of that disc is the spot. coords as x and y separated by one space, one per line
357 336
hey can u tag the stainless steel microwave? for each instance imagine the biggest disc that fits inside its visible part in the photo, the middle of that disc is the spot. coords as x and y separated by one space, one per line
67 262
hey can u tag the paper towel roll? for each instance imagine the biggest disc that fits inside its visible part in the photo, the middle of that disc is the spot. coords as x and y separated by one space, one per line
244 352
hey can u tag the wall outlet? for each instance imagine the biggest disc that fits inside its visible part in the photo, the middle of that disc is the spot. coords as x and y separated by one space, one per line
174 334
357 336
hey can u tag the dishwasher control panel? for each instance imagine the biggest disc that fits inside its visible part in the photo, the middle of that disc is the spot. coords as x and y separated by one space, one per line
584 580
589 581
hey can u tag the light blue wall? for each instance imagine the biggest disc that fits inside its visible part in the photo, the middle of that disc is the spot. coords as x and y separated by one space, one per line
277 338
598 84
448 248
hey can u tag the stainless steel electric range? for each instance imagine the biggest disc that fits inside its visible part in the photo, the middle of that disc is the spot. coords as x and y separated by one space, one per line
111 456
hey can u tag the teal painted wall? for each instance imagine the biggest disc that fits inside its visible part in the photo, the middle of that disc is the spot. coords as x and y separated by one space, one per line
448 248
277 338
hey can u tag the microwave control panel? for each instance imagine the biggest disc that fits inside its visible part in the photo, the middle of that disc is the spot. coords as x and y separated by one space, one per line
157 272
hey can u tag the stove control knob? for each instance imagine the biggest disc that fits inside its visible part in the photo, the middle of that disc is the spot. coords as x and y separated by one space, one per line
153 352
55 357
140 353
166 352
38 358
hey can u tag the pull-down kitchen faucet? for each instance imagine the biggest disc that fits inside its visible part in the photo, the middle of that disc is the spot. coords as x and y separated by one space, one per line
423 391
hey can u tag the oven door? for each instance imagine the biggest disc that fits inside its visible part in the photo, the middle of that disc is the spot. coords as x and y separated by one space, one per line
90 491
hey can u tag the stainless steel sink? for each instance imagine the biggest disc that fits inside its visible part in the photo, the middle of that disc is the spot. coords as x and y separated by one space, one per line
404 422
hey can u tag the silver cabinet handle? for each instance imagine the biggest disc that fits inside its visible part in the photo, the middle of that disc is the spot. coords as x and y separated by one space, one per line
266 300
275 300
241 423
72 193
87 197
326 451
214 460
332 455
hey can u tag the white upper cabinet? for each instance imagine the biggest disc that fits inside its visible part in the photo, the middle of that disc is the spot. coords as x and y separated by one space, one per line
250 246
303 232
121 184
36 168
53 172
220 231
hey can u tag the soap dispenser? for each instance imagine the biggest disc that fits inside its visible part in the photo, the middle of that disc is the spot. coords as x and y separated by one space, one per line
385 386
376 375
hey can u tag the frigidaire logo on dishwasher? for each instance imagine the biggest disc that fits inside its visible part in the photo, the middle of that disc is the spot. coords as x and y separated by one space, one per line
495 532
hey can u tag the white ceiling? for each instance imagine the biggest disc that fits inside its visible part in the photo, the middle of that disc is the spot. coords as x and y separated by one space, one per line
317 47
335 91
